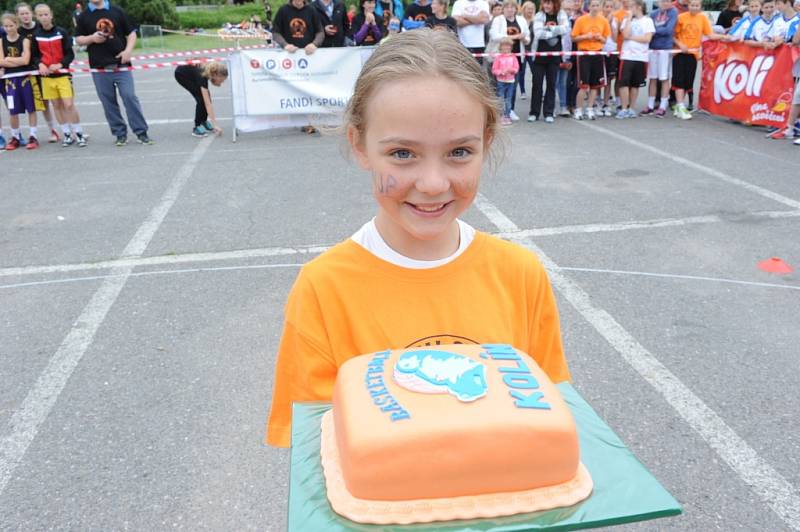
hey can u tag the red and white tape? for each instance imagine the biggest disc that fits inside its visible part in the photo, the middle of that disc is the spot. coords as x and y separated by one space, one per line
580 53
147 66
188 53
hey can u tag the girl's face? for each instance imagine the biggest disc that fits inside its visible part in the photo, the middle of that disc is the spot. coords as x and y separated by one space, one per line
438 9
217 81
425 160
608 7
505 48
754 8
509 11
529 10
25 15
44 16
10 27
369 7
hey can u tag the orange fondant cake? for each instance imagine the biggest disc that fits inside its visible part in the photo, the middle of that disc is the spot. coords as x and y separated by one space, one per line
448 432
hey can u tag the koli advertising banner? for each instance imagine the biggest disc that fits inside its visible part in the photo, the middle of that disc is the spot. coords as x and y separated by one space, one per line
273 88
750 85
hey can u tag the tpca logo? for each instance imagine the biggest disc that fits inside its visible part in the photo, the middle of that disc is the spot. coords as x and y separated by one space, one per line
734 77
302 64
270 64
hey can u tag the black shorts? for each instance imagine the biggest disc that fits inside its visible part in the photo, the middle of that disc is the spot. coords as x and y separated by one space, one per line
684 68
612 65
591 71
632 74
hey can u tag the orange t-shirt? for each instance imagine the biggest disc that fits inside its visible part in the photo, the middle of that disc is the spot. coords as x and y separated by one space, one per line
619 15
348 302
588 24
690 29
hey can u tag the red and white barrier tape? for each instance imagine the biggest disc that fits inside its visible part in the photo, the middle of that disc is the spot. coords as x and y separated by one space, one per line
188 53
147 66
580 53
221 34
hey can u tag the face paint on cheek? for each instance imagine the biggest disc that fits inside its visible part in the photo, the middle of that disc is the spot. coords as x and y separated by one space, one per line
384 184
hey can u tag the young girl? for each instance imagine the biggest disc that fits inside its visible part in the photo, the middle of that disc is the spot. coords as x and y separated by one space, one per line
415 275
513 26
550 28
195 79
505 68
366 29
17 91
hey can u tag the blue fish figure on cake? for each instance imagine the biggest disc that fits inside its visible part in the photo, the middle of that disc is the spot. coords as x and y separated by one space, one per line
430 371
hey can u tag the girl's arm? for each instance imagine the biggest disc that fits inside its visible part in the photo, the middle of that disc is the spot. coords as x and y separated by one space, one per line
24 59
210 110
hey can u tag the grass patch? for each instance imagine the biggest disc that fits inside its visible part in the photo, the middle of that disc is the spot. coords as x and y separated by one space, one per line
216 18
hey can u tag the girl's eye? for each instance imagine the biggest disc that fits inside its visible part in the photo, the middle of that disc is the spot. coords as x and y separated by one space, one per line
401 154
460 153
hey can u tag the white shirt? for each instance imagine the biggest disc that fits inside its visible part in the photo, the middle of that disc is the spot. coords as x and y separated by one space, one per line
633 50
471 35
370 239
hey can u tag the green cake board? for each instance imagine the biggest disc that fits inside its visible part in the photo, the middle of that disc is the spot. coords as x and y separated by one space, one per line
624 490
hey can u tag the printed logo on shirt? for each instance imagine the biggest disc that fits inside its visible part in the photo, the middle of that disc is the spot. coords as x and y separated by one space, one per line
512 30
12 51
441 339
298 28
422 17
105 26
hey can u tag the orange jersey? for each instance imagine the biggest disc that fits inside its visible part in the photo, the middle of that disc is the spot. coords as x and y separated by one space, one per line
589 24
690 29
619 15
348 302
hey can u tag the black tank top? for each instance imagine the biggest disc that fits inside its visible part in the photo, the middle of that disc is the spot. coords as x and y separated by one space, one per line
14 49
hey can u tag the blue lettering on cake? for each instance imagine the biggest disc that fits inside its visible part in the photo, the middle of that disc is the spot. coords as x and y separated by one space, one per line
433 371
517 377
376 386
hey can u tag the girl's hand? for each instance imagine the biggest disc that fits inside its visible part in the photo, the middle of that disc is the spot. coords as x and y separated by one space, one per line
43 70
217 130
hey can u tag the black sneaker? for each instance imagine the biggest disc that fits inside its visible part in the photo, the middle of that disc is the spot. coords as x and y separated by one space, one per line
144 139
67 141
121 141
81 140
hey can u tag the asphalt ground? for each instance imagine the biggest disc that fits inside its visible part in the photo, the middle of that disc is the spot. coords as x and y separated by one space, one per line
142 290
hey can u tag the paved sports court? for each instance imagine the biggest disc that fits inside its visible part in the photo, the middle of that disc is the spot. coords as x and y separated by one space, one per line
141 296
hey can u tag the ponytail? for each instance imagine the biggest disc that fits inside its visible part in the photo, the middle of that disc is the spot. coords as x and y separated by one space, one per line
215 69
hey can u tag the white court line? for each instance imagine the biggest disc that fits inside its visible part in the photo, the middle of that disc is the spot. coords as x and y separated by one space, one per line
753 470
153 102
761 191
298 264
24 423
166 259
316 249
157 122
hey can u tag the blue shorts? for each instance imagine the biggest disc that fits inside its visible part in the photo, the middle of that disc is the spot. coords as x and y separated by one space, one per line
18 95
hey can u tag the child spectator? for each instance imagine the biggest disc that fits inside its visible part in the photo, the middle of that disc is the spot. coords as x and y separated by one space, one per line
27 28
692 26
472 16
566 82
513 26
528 11
590 32
744 29
366 30
505 67
55 53
195 79
769 29
17 92
659 67
550 28
417 14
425 161
728 16
440 20
637 32
611 58
619 15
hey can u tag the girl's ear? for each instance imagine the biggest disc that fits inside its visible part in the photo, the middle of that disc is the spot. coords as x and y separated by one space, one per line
357 145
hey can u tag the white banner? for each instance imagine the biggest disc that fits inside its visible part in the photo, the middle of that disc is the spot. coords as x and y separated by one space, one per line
273 88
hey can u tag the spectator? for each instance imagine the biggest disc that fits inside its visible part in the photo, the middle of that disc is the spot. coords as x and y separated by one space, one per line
728 16
611 59
27 28
417 14
659 67
550 28
366 30
110 35
296 25
744 29
513 26
505 67
689 30
75 14
590 32
334 22
616 24
2 138
471 17
440 20
55 54
386 9
566 80
637 30
768 31
392 29
528 11
16 58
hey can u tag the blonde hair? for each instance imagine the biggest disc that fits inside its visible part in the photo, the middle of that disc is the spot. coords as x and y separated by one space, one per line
506 40
528 3
511 3
12 17
422 53
215 69
43 6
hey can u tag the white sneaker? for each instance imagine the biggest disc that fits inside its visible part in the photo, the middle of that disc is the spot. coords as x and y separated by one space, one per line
796 142
549 119
590 114
578 114
523 96
532 118
514 117
683 114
